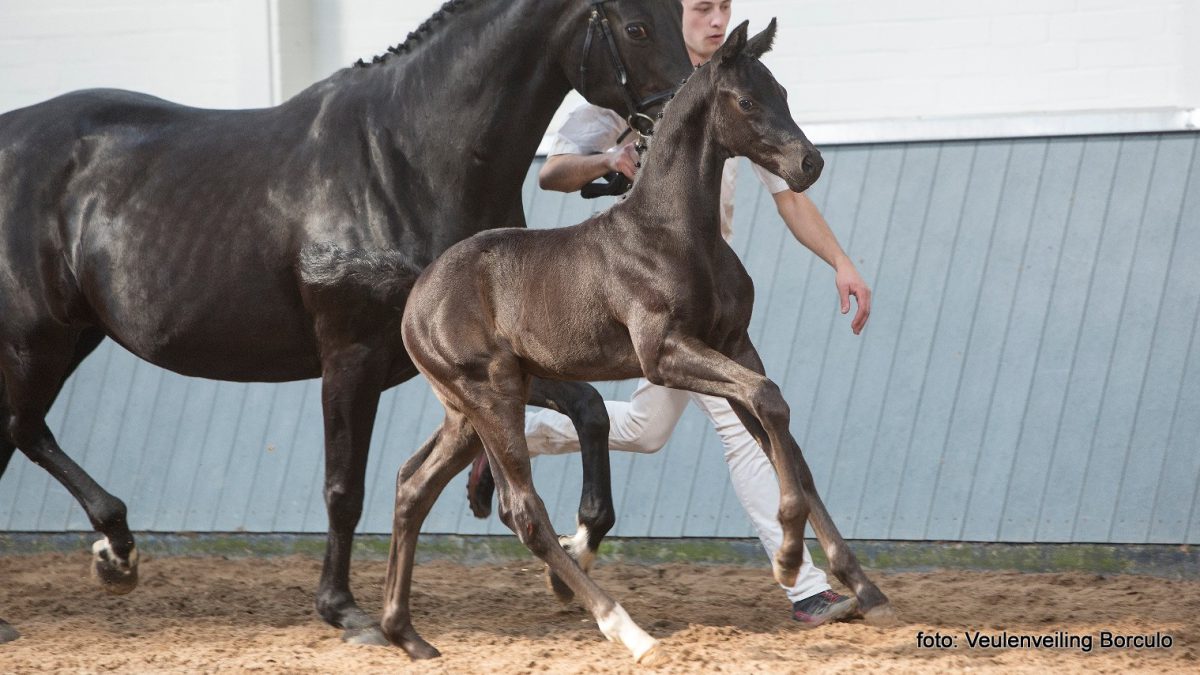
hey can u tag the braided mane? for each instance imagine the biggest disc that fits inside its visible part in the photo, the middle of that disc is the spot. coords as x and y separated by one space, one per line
422 31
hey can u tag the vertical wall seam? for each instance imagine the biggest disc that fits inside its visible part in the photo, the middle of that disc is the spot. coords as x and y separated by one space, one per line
1012 303
1162 471
987 263
1037 359
937 322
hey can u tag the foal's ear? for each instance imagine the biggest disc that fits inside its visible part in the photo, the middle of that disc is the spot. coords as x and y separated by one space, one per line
761 44
733 45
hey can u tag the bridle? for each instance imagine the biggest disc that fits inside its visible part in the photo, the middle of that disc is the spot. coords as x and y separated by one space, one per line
638 120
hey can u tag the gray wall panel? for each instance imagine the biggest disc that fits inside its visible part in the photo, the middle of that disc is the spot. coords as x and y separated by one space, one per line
1028 373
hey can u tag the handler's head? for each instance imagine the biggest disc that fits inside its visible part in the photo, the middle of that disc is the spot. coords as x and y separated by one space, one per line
704 24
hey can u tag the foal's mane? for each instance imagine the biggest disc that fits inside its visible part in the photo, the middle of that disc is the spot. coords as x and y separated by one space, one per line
422 32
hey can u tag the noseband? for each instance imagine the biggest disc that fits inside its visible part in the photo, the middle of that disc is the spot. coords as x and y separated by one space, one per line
638 120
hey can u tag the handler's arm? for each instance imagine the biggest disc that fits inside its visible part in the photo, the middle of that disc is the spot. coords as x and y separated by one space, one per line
807 224
568 173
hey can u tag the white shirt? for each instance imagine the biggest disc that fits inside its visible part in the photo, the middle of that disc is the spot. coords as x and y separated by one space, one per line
590 129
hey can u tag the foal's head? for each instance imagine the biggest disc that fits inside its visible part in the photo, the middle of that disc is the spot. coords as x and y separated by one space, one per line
749 115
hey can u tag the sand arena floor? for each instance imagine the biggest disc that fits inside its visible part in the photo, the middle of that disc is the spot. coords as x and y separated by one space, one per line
241 615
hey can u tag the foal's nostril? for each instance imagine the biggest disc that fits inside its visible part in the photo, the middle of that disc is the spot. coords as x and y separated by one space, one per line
813 163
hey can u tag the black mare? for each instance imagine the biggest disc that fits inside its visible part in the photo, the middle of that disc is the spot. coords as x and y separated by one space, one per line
648 287
243 244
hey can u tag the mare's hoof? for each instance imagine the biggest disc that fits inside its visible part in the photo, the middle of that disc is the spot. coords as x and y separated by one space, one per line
881 615
558 587
370 636
116 576
654 656
7 632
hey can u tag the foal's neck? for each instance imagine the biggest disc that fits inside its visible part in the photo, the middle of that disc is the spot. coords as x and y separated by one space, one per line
678 192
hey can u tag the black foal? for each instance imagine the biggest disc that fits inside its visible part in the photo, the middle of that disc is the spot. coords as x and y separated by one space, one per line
647 288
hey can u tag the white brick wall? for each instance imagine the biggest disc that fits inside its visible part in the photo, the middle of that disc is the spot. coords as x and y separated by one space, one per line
895 61
884 59
199 52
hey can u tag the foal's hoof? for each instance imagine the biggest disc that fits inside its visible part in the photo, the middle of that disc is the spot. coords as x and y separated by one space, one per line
654 656
881 615
116 576
7 632
422 652
418 649
406 638
785 576
370 636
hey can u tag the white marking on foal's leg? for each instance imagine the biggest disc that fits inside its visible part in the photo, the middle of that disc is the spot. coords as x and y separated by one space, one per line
619 628
577 546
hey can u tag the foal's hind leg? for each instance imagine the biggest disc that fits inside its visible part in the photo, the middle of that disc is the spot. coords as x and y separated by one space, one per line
584 405
418 484
33 374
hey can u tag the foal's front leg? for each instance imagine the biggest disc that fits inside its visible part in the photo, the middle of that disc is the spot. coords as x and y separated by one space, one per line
687 363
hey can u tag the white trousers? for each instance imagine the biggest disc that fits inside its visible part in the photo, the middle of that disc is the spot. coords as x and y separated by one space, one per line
644 424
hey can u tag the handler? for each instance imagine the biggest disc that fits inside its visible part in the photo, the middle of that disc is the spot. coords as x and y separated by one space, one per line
585 149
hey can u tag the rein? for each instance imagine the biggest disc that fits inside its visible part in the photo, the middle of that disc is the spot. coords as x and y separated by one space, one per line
638 120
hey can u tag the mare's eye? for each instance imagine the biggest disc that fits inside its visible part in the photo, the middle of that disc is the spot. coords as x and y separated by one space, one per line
636 31
745 103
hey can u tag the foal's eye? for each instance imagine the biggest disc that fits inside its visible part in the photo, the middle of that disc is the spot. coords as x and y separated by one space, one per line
745 103
636 31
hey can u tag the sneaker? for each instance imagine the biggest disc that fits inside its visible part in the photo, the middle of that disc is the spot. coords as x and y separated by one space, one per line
822 608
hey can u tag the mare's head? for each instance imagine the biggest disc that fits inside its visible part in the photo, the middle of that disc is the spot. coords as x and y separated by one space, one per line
750 115
627 55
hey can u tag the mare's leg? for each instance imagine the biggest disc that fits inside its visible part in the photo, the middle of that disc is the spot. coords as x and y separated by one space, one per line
418 484
350 388
687 363
87 343
584 405
33 371
496 410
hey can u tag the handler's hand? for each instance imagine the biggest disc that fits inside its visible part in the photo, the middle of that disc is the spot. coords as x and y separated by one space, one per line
623 158
850 283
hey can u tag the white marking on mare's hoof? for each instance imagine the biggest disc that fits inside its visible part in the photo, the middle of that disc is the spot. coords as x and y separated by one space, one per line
619 628
577 546
370 636
117 576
